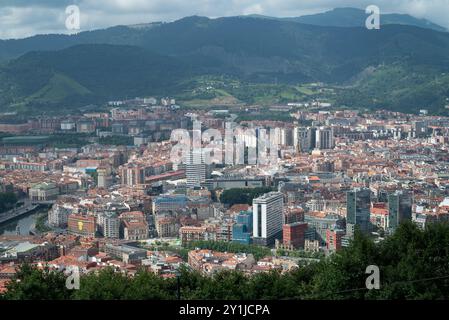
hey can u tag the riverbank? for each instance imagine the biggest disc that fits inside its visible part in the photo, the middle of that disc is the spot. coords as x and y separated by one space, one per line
23 224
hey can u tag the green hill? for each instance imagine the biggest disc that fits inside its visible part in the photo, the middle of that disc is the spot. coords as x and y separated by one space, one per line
87 74
59 87
166 57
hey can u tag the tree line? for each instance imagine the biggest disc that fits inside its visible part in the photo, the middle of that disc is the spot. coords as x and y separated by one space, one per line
413 264
242 195
7 201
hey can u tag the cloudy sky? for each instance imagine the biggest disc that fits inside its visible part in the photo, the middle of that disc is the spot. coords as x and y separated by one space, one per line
22 18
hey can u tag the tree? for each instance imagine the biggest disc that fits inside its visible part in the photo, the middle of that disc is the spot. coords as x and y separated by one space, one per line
148 286
104 285
413 264
31 283
7 200
226 285
242 195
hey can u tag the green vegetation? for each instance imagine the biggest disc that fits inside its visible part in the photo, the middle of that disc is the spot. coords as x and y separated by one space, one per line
271 116
38 285
231 61
7 201
25 140
94 74
299 254
221 246
59 88
242 195
413 264
68 140
117 140
41 223
401 88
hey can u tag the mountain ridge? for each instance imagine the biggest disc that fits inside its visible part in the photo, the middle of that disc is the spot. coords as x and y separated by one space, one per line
353 17
159 60
132 34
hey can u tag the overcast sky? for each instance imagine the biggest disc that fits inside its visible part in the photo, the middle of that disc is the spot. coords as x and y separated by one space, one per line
22 18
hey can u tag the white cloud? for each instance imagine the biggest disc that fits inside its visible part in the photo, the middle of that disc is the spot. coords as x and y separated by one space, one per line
20 18
24 21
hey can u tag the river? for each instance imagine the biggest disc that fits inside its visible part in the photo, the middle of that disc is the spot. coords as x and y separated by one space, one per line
26 223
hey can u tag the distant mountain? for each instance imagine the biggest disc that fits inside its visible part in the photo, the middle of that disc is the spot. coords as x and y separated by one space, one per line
137 34
87 73
352 17
159 59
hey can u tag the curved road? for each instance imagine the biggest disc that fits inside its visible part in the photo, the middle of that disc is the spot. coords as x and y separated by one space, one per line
17 212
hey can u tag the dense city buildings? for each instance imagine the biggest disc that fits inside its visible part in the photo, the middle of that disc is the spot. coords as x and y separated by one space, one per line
219 157
128 206
197 171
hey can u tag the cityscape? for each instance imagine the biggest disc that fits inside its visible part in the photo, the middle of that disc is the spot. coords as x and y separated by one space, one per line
212 196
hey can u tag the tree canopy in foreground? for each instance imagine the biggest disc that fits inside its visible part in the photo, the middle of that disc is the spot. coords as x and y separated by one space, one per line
413 264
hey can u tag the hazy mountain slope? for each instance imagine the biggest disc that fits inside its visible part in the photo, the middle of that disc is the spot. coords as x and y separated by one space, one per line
249 49
258 48
97 71
119 35
352 17
402 88
136 34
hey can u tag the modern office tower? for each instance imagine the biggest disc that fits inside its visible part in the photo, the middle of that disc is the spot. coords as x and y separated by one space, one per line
324 138
283 136
58 216
293 235
243 227
277 135
382 196
246 218
358 202
304 139
312 137
132 175
420 129
399 208
268 218
197 171
109 225
301 137
288 137
104 177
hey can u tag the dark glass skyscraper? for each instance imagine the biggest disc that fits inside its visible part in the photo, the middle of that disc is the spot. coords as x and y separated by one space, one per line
358 202
399 208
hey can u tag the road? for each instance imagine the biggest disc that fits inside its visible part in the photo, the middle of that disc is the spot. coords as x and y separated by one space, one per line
17 212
